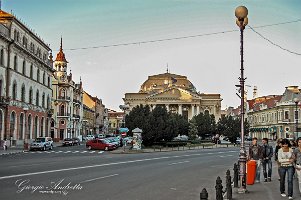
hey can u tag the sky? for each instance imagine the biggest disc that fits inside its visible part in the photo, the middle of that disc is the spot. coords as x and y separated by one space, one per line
211 60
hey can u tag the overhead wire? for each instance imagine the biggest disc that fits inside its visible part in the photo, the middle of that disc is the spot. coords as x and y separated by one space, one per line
192 36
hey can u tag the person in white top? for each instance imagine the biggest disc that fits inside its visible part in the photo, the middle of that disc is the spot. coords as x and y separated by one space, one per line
286 159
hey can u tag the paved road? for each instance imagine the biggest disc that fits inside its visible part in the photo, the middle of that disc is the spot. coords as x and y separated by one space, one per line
74 173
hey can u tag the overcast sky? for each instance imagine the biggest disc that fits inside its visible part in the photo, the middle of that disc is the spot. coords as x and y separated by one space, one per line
211 62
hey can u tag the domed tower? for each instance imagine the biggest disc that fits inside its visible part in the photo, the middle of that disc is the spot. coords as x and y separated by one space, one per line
60 64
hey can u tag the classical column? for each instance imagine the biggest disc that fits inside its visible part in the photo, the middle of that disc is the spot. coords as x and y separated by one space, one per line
192 111
154 106
167 107
180 109
197 109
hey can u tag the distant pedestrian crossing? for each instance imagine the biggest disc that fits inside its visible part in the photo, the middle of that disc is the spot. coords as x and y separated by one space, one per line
63 152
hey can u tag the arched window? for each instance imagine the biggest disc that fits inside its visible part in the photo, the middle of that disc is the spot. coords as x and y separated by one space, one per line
16 63
1 123
21 125
31 71
2 57
29 126
12 124
30 96
46 128
14 91
62 110
24 67
35 126
37 98
48 84
38 75
23 93
63 93
42 127
15 35
48 102
44 78
43 100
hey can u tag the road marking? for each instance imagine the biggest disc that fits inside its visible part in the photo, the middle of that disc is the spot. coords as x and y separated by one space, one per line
210 153
92 152
101 152
225 156
75 151
179 162
99 178
67 152
94 166
84 152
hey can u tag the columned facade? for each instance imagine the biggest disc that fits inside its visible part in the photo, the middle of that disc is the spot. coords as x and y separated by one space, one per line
177 94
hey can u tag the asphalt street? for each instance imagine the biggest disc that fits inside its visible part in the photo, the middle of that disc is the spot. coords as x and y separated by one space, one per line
75 173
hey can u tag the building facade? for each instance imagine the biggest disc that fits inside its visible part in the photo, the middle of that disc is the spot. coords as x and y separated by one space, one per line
25 82
177 94
67 101
116 121
275 116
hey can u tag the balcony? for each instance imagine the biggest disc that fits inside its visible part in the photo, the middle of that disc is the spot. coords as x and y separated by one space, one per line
63 98
63 115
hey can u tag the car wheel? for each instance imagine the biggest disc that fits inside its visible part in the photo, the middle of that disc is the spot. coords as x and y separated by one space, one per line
106 148
89 147
51 147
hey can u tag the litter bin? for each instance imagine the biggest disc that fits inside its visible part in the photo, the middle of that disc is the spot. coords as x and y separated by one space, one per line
251 172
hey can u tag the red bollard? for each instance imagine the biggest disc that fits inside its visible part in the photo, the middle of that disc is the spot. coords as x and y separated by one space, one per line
251 172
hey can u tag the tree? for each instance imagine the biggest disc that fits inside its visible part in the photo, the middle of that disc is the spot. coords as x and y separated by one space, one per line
138 118
205 124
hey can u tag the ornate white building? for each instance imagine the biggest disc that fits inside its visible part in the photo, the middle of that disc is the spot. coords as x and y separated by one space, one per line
25 82
175 92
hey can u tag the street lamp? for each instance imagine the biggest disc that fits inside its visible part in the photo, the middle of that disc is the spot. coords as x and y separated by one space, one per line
296 100
26 135
241 14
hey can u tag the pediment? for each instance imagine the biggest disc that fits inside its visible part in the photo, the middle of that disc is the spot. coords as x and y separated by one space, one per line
174 93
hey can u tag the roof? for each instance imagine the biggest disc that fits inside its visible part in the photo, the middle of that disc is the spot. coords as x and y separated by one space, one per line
61 56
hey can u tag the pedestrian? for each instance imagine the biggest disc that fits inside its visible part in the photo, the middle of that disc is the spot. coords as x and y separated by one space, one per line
286 159
297 153
277 147
255 153
267 154
5 145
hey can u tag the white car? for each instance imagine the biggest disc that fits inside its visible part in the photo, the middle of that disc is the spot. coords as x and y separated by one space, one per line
224 142
89 137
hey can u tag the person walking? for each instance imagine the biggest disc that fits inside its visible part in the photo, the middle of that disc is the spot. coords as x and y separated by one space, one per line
5 145
297 154
255 153
286 159
277 147
267 154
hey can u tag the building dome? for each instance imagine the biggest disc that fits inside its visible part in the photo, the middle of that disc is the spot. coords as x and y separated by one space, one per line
61 56
160 82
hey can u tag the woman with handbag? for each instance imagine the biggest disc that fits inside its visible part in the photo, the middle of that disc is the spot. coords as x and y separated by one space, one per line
286 159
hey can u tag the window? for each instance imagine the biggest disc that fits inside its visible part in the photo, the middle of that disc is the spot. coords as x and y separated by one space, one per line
48 102
31 71
286 115
1 57
15 35
63 93
12 123
37 98
35 126
29 126
23 93
62 122
0 88
14 91
42 127
44 78
15 63
38 75
21 125
43 100
46 128
24 42
30 96
1 122
48 84
24 68
62 110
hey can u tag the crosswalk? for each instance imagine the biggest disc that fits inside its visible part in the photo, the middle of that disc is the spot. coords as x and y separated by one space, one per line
64 152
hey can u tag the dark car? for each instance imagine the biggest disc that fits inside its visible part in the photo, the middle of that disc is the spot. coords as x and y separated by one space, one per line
68 142
76 141
99 144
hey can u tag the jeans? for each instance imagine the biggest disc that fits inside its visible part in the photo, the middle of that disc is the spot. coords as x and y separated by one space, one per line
298 171
266 163
290 173
258 165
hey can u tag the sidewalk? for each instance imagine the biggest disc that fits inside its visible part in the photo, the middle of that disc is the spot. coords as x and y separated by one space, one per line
267 190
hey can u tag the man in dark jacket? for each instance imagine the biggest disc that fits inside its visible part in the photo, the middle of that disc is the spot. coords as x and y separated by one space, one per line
267 154
255 153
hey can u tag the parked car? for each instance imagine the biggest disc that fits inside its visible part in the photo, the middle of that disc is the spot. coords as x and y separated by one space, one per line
41 143
89 137
224 142
100 144
76 141
100 136
68 142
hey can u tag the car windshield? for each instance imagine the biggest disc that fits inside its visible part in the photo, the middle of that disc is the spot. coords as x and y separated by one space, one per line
40 140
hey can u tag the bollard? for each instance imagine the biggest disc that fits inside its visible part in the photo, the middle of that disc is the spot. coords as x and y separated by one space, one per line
204 194
235 175
228 185
219 189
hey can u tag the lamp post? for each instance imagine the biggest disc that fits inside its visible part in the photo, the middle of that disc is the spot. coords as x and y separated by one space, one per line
241 14
296 100
25 135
